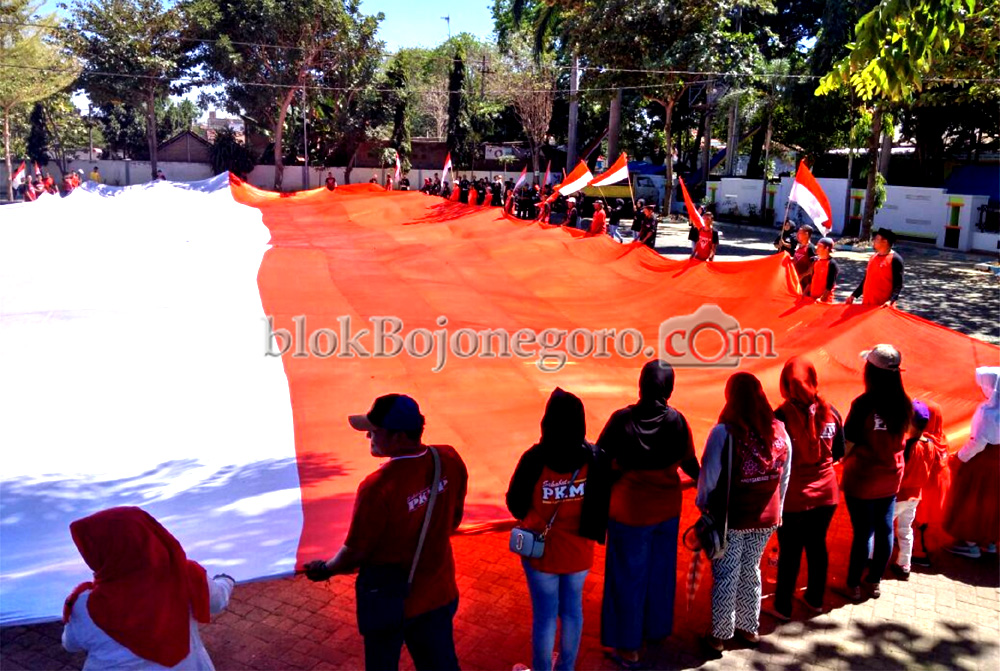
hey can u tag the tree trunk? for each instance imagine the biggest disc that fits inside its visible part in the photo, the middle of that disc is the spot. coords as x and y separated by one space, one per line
61 148
885 153
754 167
873 139
151 132
279 130
536 149
614 126
669 161
6 154
850 183
767 157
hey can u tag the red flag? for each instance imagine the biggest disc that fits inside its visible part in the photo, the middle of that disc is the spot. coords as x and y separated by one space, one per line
616 173
520 180
576 180
807 193
692 211
447 167
38 171
18 178
545 181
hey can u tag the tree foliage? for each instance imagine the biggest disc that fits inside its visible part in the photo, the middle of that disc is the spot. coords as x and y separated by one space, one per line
134 53
265 52
230 154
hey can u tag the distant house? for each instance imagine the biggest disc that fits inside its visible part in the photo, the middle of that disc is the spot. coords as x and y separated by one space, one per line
185 147
215 123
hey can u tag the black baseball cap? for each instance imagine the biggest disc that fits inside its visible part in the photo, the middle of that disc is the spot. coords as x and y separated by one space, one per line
395 412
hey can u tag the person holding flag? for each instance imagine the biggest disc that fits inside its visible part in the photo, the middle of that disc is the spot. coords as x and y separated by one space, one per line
17 181
708 238
806 192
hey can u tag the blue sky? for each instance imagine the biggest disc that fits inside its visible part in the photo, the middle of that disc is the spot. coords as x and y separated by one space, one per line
413 23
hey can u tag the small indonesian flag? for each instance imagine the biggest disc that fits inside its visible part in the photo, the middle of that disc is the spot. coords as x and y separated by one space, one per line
18 178
548 169
807 193
692 211
395 177
447 167
38 171
616 173
576 180
520 180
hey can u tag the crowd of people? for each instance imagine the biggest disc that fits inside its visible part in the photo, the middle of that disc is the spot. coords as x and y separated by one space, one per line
43 183
763 469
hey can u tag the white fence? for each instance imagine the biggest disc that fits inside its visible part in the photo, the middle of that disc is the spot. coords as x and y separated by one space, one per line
911 211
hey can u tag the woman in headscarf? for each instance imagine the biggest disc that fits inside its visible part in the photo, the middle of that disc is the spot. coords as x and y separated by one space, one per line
755 442
817 434
142 609
646 442
973 512
560 488
874 434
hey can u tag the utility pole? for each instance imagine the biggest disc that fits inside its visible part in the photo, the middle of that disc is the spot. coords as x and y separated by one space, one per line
483 71
447 19
706 152
614 126
574 110
305 144
90 129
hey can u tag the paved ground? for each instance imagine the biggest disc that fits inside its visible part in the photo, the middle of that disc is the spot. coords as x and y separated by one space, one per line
947 617
939 285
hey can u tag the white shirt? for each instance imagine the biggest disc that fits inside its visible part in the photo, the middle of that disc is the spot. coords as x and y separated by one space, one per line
103 652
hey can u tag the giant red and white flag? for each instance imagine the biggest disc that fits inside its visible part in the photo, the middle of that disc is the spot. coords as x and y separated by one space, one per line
616 173
807 192
692 211
576 180
447 167
18 178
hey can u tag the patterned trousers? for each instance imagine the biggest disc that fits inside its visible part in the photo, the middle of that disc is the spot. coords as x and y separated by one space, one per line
736 582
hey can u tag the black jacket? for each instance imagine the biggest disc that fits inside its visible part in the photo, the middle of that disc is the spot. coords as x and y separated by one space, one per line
596 498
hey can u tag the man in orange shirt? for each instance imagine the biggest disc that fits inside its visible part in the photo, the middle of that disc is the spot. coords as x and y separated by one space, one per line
389 514
883 278
599 224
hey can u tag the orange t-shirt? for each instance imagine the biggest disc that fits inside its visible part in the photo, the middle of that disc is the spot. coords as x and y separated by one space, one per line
599 223
566 551
878 280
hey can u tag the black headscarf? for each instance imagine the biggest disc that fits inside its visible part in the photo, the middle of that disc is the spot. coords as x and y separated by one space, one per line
656 384
564 430
648 435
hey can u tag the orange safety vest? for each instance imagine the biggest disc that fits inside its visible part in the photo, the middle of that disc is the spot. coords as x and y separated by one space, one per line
703 248
817 285
878 280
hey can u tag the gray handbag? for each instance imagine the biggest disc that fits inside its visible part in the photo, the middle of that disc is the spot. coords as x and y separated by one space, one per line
531 544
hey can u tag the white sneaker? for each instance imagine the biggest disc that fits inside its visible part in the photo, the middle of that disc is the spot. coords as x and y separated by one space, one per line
520 667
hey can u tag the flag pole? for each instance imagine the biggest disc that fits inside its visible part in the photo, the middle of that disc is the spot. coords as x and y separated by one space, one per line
631 193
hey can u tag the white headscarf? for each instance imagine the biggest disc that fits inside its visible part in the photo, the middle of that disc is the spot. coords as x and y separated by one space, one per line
986 421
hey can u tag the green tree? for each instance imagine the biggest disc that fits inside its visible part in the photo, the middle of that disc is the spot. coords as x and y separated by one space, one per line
317 41
38 138
529 86
895 45
22 48
230 154
134 53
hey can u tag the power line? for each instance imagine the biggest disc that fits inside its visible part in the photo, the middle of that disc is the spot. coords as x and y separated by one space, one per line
596 68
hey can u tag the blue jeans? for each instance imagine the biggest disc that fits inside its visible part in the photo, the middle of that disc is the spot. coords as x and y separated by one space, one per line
871 520
613 232
428 637
640 582
555 596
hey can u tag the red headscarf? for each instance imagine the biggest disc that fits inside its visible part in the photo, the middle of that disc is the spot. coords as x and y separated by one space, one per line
804 407
145 589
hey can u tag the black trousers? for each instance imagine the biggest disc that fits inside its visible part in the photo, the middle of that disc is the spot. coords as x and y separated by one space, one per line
802 531
429 638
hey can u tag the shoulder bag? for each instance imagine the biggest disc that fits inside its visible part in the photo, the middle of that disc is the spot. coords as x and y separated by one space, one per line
531 544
